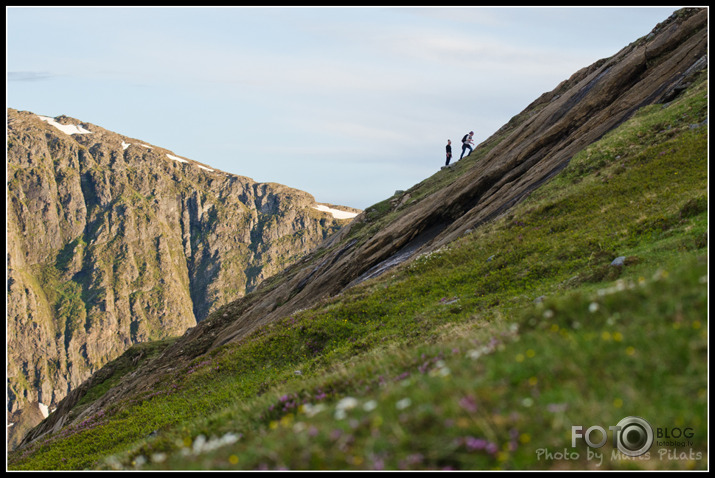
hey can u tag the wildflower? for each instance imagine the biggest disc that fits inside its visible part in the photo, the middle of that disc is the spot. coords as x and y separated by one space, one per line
630 350
404 403
660 274
158 457
411 460
369 405
474 444
199 444
287 420
468 403
593 307
441 370
557 407
312 410
347 403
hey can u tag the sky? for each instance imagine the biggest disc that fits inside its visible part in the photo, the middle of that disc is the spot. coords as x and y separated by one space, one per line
347 103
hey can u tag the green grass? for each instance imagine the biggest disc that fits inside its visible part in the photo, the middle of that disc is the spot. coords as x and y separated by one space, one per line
481 355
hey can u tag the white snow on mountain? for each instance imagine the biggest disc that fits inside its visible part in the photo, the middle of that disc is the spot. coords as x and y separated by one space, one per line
176 158
337 214
65 128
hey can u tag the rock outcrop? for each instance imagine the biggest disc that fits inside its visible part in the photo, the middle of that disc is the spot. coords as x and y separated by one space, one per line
111 242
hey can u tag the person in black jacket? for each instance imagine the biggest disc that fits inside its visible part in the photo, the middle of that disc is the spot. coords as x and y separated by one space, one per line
449 152
466 143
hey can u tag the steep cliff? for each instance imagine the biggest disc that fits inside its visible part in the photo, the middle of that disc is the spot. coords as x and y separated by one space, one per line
112 241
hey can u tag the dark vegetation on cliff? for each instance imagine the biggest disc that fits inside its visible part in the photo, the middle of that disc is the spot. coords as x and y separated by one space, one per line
555 277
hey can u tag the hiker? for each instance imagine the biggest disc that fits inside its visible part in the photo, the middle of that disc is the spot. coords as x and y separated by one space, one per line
449 152
466 142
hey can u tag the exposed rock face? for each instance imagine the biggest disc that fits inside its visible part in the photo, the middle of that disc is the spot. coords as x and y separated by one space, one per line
111 242
524 154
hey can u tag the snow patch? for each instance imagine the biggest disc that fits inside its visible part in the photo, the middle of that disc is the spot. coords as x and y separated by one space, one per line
44 409
125 145
204 167
65 128
337 214
176 158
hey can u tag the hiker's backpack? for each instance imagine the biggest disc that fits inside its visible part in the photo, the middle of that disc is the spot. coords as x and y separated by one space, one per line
464 140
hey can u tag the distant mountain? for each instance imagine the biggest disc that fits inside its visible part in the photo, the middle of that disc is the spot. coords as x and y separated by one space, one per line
112 241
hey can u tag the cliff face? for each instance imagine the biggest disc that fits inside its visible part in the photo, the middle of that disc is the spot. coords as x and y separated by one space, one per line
111 241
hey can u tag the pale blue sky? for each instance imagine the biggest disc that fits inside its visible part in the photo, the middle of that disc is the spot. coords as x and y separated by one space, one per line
348 104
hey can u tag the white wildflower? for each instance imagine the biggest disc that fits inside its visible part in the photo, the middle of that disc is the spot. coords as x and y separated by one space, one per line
158 457
312 410
347 403
404 403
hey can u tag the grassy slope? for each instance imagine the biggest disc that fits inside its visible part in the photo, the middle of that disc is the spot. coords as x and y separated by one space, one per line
450 362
